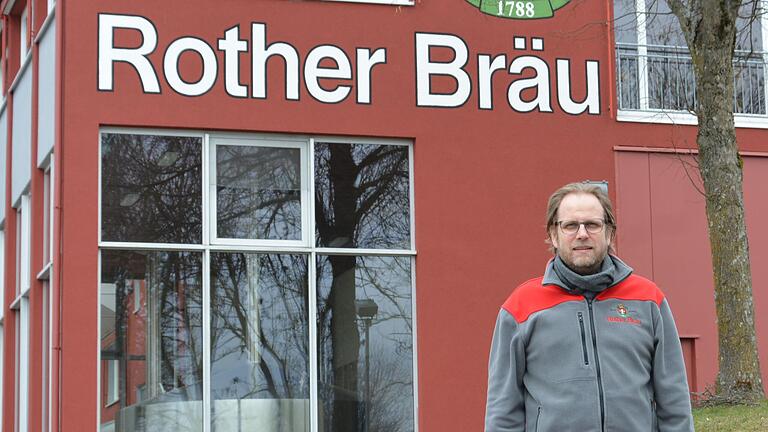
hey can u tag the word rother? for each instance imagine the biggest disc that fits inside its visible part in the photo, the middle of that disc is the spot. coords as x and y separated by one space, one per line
232 47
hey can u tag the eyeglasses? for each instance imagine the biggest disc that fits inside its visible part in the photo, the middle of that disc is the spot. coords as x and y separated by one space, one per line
570 227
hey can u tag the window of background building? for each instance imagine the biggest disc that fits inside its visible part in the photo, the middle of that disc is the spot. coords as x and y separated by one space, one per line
2 367
21 306
23 34
44 276
654 69
47 214
256 282
2 281
2 317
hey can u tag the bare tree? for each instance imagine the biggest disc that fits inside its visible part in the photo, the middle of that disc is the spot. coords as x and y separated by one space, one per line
709 28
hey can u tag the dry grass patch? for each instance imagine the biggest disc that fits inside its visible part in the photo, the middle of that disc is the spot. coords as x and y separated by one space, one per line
736 418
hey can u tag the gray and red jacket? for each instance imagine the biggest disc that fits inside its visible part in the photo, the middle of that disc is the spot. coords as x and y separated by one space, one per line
563 362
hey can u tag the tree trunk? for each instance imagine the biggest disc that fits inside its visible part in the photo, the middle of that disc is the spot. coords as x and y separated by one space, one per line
712 46
345 338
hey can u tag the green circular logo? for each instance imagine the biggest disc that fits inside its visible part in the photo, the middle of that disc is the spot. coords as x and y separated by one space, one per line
519 9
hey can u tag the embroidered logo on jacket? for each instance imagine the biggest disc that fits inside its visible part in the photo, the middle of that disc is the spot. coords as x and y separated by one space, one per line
623 316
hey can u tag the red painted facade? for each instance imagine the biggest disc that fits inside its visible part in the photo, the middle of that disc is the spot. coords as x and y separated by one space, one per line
481 176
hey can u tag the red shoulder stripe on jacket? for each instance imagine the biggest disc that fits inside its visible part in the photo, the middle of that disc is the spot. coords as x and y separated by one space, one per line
531 297
634 288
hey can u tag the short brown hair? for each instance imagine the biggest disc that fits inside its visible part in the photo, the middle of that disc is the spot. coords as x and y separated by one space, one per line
580 188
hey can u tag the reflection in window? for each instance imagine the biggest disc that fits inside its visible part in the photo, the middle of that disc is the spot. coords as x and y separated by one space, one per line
362 196
158 348
258 192
258 334
365 344
655 69
151 188
259 342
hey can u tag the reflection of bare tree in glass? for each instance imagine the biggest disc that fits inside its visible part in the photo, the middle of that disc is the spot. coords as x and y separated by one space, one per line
386 282
361 201
259 336
390 407
179 320
151 188
258 193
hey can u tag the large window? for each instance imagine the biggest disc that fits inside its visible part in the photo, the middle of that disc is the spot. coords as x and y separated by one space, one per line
654 70
256 283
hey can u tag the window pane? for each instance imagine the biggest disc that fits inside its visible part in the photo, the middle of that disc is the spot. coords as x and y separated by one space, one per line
671 83
625 21
749 36
627 77
662 26
47 217
362 195
158 348
151 188
258 192
365 344
259 342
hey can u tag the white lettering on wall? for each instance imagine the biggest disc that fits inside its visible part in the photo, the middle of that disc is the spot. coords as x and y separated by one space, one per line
136 57
425 69
365 63
591 102
330 75
232 46
261 53
313 73
171 66
485 70
539 82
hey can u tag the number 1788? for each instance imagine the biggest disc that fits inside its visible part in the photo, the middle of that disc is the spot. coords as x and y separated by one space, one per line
516 8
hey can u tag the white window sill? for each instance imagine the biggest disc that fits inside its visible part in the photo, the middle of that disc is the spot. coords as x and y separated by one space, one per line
682 118
45 273
386 2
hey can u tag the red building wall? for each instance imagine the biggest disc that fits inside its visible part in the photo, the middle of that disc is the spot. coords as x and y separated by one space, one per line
481 176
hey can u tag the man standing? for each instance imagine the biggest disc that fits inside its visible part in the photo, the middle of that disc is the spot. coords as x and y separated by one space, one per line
589 346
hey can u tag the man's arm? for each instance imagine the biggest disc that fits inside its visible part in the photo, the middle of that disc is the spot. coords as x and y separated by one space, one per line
670 385
505 407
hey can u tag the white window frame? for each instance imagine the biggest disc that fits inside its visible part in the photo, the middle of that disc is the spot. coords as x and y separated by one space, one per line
23 264
2 284
48 205
307 247
24 34
386 2
2 367
47 326
644 114
22 373
113 382
21 304
51 5
217 140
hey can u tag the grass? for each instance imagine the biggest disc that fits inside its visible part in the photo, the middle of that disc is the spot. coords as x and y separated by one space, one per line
732 418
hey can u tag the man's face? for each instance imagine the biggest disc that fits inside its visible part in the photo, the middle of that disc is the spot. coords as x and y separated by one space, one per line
582 251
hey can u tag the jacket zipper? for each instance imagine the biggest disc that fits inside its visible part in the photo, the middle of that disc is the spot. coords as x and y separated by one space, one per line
597 365
583 339
538 416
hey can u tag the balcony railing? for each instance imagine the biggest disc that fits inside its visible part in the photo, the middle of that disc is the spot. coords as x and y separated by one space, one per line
656 77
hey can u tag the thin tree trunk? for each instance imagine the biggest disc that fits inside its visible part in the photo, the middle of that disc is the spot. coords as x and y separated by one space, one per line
712 46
